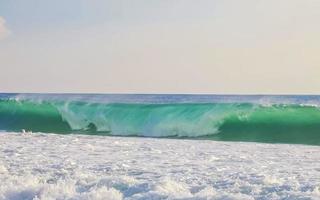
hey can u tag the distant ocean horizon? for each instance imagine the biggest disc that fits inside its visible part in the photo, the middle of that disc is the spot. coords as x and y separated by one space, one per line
251 118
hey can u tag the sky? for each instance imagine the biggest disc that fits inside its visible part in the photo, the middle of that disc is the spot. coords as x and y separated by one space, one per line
160 46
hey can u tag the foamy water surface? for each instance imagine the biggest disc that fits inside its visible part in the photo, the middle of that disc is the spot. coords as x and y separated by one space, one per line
49 166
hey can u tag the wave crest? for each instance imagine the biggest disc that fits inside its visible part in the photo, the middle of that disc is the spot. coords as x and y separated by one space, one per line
222 121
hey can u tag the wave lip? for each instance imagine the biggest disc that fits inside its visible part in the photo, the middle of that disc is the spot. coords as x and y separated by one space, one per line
276 123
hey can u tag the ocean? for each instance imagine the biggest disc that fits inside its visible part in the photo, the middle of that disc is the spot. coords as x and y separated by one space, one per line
186 147
253 118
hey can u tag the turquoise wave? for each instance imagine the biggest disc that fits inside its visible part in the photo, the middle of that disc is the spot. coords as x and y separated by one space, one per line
278 123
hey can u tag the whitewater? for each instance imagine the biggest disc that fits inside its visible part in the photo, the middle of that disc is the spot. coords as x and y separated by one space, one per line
51 166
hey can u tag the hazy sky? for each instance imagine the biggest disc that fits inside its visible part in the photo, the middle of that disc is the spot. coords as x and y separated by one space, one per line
160 46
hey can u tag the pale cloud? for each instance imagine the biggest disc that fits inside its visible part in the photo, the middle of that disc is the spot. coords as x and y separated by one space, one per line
4 31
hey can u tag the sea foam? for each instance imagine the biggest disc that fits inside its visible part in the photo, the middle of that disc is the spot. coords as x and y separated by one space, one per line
50 166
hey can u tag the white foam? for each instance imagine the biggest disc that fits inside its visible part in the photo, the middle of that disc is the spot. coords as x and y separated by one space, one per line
47 166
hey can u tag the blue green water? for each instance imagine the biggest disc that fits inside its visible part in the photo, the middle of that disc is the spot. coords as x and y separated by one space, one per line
273 119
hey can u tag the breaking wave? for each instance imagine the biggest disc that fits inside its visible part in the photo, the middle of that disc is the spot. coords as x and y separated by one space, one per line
276 123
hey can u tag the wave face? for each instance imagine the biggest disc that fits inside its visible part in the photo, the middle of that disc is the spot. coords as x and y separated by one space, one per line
238 119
